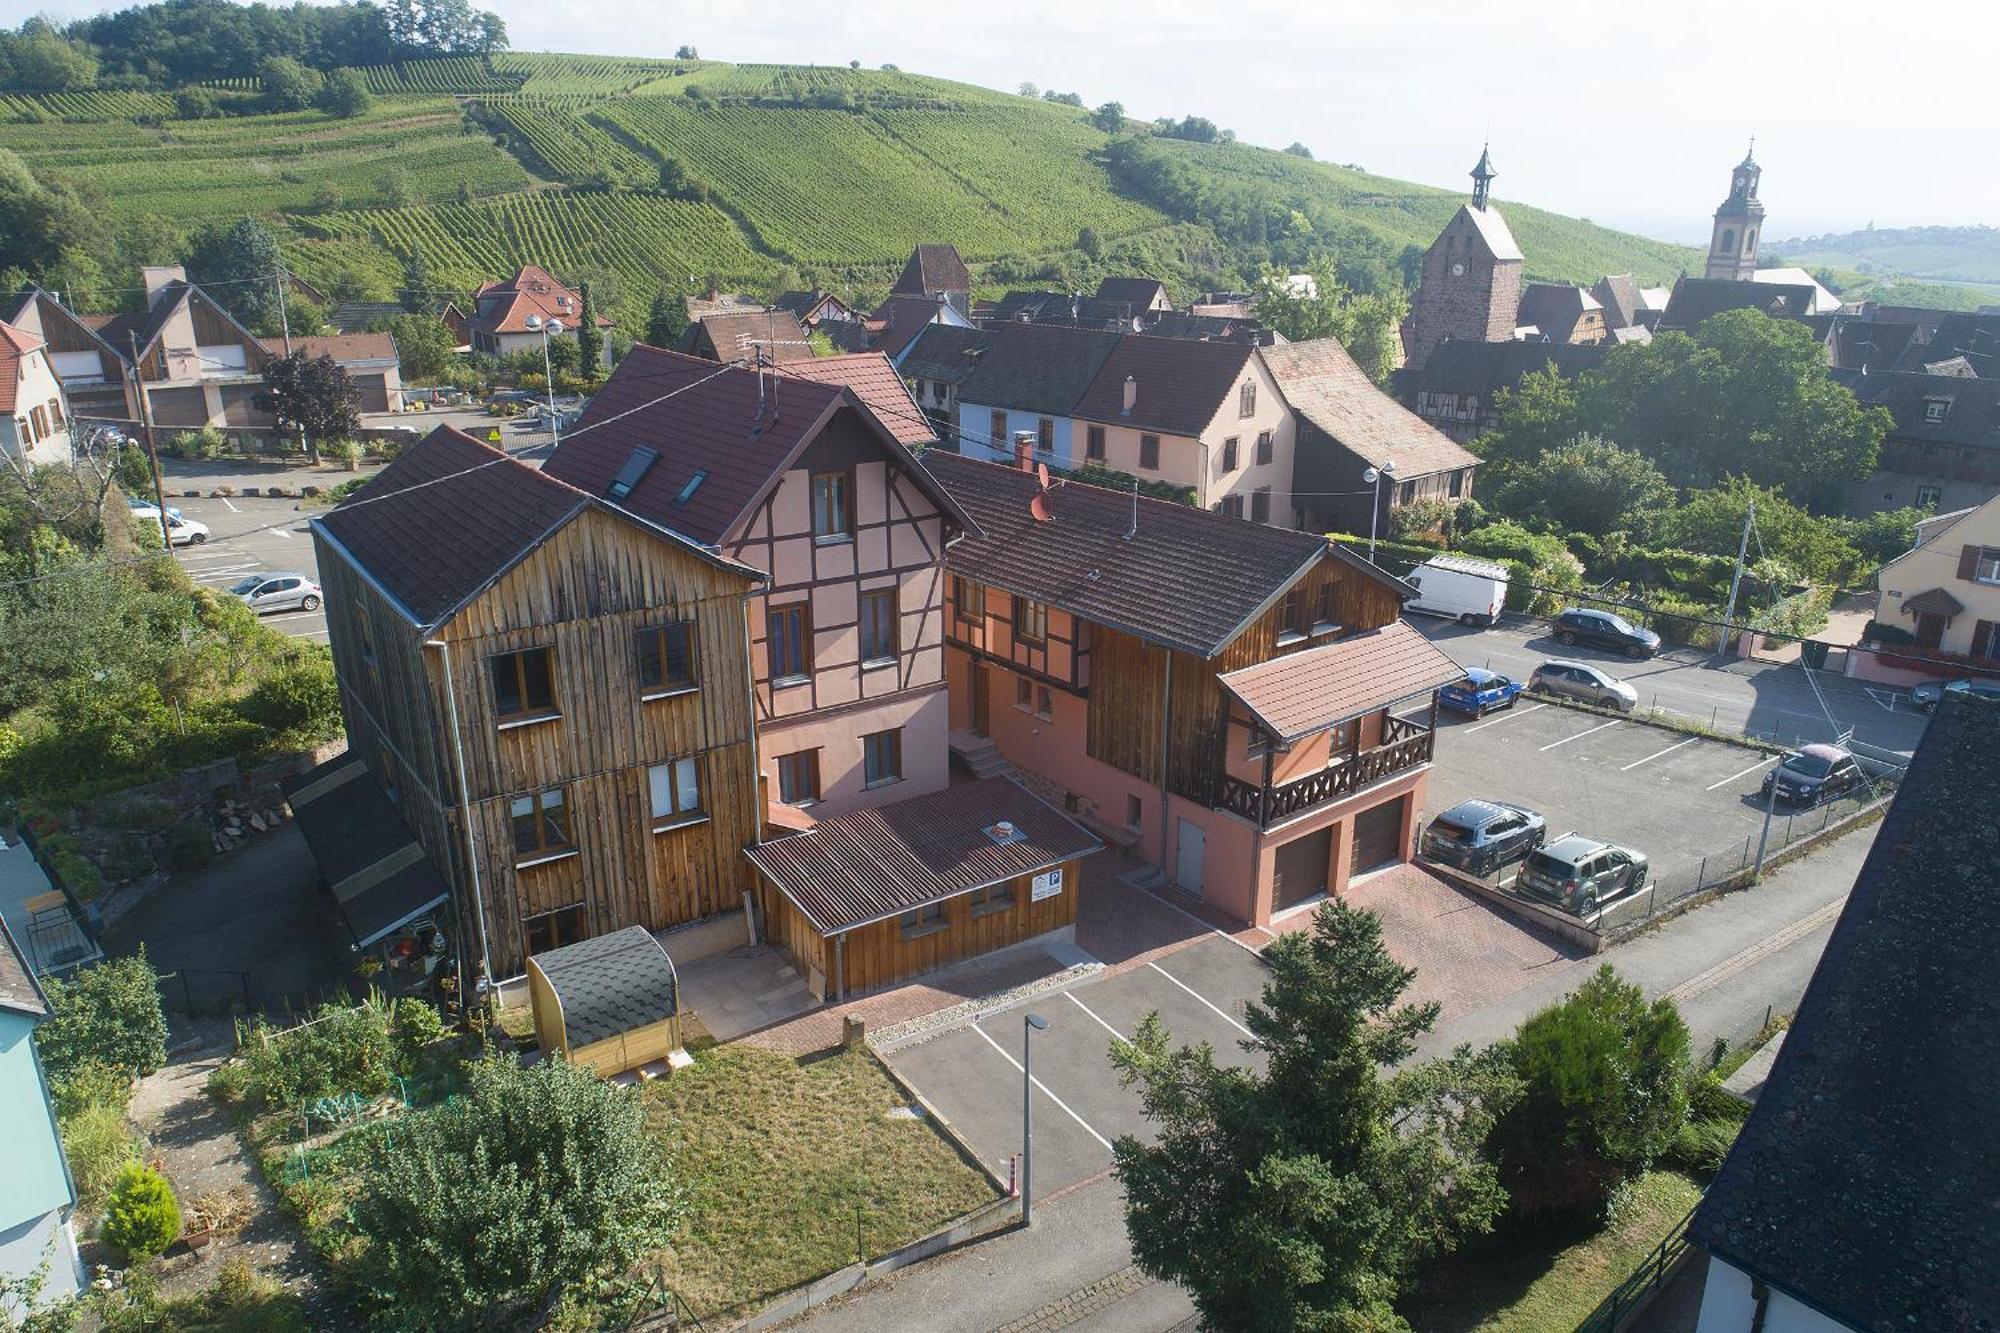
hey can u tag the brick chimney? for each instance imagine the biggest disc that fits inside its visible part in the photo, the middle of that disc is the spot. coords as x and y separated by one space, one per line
156 276
1024 450
1131 394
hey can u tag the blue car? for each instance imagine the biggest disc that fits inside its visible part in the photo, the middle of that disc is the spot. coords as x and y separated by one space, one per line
1480 693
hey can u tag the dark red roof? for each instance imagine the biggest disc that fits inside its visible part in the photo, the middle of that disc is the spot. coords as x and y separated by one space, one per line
932 270
1182 383
876 383
1300 693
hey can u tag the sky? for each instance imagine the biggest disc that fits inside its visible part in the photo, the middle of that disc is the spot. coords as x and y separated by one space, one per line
1630 114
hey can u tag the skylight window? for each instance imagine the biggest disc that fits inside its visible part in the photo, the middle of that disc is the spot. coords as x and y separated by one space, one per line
636 467
693 485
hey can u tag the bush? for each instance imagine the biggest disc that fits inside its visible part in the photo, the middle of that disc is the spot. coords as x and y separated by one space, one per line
413 1026
208 442
228 1084
99 1148
142 1218
190 845
341 1050
298 697
239 1301
1880 631
106 1015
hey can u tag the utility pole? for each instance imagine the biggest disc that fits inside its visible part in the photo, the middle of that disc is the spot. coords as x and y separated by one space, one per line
284 315
1736 579
146 434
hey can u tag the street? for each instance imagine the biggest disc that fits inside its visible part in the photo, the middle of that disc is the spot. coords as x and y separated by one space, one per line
252 535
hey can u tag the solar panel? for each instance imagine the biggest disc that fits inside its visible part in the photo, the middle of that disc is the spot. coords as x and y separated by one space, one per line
628 476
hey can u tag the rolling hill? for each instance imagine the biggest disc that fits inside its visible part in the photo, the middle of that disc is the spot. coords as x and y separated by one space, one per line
637 173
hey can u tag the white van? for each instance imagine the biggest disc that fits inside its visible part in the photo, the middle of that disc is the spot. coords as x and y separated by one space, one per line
1457 587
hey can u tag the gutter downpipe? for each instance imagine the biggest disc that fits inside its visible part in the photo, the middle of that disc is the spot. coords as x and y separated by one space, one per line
465 816
1166 740
756 752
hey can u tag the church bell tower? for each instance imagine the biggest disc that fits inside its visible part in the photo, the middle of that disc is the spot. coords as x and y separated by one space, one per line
1732 245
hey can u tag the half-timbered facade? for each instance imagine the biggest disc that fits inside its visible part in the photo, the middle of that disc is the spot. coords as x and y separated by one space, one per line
1237 703
802 480
554 694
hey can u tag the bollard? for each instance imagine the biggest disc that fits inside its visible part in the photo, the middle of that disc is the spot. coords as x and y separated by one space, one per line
1701 875
853 1032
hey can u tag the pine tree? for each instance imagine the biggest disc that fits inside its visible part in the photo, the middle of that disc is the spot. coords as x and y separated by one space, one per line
667 320
589 339
419 294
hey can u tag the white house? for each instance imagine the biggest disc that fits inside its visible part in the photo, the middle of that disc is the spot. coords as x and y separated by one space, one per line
34 415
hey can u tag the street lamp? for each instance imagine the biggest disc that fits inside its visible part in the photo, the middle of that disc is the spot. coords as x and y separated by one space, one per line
1030 1024
1373 476
545 327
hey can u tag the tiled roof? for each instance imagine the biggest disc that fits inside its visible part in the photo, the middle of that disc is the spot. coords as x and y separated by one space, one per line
1632 333
1323 385
1619 295
876 383
1555 308
1463 365
710 425
732 335
1972 406
1933 600
342 347
1300 693
1210 328
945 353
1695 299
1187 578
1135 293
1864 1182
1492 229
802 304
933 269
1036 367
446 519
874 864
903 318
15 346
354 316
18 990
1824 302
378 875
1182 383
1974 337
611 984
504 307
1026 307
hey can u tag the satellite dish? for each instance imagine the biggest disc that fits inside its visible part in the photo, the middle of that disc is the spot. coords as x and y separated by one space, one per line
1039 507
1042 474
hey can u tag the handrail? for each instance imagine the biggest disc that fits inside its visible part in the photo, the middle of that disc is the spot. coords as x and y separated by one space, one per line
1263 806
1641 1283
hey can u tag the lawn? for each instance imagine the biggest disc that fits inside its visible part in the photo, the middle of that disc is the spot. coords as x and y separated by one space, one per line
1504 1288
786 1161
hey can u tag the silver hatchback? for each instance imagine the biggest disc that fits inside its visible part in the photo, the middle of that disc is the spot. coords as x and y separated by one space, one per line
1584 683
285 591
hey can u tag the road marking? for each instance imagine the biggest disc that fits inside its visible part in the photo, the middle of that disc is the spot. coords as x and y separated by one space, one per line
280 532
1884 698
1657 753
1766 760
1071 997
223 575
1512 712
1044 1087
1581 734
1203 998
232 508
286 615
1756 953
307 633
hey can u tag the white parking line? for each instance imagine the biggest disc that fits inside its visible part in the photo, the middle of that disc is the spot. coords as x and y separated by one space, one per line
1512 712
278 616
1657 753
1071 997
1203 998
280 532
1581 734
1761 763
1044 1087
232 508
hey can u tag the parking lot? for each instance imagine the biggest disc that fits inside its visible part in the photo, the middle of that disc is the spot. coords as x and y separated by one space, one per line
251 535
1676 798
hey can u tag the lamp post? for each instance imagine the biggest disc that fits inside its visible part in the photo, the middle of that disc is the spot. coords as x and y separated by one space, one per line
1373 476
546 327
1030 1025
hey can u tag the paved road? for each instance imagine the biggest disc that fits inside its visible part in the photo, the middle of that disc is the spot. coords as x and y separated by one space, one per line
250 535
1773 700
1724 964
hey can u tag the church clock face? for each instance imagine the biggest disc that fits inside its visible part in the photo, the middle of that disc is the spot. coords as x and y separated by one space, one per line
1458 270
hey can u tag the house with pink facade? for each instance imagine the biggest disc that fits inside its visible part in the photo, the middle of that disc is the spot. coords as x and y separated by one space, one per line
801 479
1238 704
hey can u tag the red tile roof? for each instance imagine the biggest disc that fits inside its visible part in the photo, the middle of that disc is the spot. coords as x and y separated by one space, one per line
870 865
902 317
732 335
1304 692
15 345
342 347
1322 384
504 307
876 383
1182 383
933 269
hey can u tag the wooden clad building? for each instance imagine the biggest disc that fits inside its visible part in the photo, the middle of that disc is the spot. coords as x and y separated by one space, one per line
554 694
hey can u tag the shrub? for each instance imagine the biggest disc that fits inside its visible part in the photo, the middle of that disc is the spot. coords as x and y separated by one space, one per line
142 1218
208 442
1880 631
106 1015
298 696
190 845
340 1050
228 1084
99 1148
413 1025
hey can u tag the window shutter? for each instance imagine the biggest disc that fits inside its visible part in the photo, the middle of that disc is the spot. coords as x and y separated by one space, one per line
1982 637
1968 562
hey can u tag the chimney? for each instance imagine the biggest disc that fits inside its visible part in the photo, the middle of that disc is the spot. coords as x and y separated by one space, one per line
156 276
1131 394
1024 450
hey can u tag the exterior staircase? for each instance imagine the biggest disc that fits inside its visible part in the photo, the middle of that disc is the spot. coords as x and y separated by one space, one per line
978 753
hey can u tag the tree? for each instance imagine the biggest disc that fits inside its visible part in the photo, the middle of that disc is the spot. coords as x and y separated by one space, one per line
1325 307
1062 99
108 1015
287 84
424 346
312 395
345 94
1587 485
1297 149
667 319
1110 117
1299 1197
534 1180
686 52
1711 521
239 266
1604 1091
42 225
142 1218
40 60
419 291
1538 415
1088 241
589 338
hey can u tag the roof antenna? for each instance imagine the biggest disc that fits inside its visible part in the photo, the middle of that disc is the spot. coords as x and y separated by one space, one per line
1133 531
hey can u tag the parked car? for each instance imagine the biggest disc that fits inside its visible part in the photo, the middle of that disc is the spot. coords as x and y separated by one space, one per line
286 591
1602 629
146 509
1930 694
1458 588
1584 683
1579 874
1481 836
186 531
1480 693
1814 774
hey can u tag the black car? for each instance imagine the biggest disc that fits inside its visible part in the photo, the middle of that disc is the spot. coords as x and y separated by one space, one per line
1480 836
1816 773
1601 629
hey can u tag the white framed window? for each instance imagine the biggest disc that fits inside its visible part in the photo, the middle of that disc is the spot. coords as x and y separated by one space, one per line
675 787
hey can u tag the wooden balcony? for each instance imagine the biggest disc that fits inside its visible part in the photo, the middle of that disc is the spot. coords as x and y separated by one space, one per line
1406 744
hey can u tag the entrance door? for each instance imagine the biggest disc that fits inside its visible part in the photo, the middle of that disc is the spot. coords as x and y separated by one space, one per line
1299 869
1378 836
1190 847
1930 629
982 699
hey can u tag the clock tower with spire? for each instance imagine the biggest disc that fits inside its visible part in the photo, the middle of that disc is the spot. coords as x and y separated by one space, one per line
1471 282
1732 244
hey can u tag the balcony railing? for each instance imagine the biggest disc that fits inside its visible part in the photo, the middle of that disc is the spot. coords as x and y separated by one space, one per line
1406 745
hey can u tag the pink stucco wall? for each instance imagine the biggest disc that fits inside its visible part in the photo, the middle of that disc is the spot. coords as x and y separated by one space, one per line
837 737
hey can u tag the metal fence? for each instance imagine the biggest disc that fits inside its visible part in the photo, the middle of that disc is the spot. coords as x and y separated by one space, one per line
204 992
1649 1276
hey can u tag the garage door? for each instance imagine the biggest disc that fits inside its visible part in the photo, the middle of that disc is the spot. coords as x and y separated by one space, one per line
1378 836
374 392
239 406
1299 869
179 407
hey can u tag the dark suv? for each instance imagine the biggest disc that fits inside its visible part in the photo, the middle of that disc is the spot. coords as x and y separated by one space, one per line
1601 629
1480 836
1816 773
1577 874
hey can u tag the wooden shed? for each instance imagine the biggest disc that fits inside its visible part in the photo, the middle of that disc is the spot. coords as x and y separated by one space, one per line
612 1002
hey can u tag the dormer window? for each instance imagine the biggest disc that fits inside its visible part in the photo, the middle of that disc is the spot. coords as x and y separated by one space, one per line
637 464
693 485
1935 410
